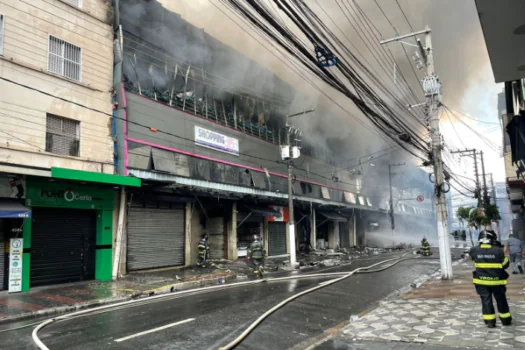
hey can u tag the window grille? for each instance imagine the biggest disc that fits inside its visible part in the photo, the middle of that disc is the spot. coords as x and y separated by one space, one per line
62 136
65 59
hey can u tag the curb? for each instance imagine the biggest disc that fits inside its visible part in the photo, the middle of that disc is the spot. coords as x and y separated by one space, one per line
134 294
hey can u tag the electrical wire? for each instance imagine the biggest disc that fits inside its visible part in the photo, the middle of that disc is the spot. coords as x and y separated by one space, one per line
303 22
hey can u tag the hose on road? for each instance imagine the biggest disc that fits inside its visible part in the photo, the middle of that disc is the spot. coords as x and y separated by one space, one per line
234 343
248 330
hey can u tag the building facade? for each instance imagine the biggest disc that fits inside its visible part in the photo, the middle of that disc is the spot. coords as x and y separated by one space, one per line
207 147
57 164
501 30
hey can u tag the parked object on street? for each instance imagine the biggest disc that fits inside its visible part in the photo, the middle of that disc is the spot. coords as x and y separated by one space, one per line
490 278
514 249
204 251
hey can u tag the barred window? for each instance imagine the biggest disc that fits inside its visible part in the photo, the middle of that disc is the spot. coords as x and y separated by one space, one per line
62 135
1 34
77 3
65 59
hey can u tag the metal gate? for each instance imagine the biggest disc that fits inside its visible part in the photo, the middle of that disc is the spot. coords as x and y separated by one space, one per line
155 237
63 245
215 229
277 238
344 234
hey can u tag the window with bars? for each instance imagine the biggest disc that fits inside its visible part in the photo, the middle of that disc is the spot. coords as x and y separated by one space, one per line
62 135
77 3
1 34
65 59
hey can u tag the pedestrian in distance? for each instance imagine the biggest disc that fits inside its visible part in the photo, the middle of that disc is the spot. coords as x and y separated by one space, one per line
514 249
204 251
490 278
256 256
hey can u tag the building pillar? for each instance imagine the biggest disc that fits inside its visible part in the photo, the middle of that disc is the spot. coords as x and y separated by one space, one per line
331 234
265 235
187 233
287 235
232 234
352 233
313 230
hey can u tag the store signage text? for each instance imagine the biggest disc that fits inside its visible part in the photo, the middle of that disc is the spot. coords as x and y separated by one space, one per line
214 140
16 248
68 195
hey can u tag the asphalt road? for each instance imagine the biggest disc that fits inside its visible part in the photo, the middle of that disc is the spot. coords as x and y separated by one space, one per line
210 320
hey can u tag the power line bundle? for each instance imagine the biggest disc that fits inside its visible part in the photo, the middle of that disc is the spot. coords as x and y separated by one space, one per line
343 77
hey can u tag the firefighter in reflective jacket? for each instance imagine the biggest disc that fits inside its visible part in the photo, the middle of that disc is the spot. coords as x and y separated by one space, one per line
490 278
256 255
425 247
204 251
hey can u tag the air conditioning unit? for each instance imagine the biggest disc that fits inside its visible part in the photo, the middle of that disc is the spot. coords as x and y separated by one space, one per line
285 152
296 152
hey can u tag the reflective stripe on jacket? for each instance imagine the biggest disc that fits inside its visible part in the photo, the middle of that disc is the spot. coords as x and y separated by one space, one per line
490 263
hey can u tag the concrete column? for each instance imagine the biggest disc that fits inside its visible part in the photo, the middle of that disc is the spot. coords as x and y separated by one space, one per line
337 235
287 233
351 231
232 234
331 234
313 230
265 234
187 233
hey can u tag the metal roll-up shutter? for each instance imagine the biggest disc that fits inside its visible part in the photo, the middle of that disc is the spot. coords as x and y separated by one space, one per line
276 238
155 237
344 235
2 259
215 229
63 246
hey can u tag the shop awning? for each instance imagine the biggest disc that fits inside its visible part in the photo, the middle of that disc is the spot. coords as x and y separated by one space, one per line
333 216
264 211
13 210
91 176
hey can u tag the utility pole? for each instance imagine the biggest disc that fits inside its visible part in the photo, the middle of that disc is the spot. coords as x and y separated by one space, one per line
391 195
486 198
432 88
291 153
493 189
473 153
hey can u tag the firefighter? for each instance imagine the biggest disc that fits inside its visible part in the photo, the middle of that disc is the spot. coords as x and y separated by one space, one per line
490 278
425 247
204 251
256 255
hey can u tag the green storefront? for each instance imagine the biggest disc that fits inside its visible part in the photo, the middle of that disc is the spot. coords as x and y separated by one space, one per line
69 236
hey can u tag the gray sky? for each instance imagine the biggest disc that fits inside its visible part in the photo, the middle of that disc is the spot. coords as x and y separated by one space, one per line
461 61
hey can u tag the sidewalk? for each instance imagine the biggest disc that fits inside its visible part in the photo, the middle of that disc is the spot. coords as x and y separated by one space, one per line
43 301
443 314
63 298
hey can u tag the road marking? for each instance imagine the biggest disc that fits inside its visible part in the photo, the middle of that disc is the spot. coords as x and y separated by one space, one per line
154 330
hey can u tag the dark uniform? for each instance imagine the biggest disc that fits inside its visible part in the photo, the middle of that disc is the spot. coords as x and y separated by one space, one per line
425 247
204 251
490 278
256 255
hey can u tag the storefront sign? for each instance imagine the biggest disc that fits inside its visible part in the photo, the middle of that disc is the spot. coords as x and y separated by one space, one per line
284 214
216 141
16 249
68 195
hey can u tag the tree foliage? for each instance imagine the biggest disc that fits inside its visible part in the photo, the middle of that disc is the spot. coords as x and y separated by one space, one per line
478 217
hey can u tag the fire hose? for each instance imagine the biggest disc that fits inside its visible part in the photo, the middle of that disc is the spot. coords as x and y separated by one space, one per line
238 340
